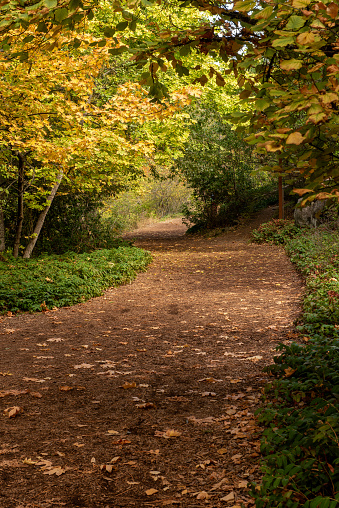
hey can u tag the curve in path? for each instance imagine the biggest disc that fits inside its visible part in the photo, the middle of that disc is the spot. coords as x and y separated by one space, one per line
145 396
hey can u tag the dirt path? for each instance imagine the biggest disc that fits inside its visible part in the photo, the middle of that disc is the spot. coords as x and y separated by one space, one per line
145 397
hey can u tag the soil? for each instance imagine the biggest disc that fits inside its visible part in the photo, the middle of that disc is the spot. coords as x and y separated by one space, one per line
145 397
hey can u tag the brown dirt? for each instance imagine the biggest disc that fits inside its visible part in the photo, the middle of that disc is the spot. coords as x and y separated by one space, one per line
153 385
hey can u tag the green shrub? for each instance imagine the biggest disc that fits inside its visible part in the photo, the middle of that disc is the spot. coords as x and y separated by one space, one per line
55 281
301 442
277 231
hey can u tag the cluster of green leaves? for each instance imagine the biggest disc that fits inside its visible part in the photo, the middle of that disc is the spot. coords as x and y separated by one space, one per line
301 415
317 256
56 281
277 231
218 166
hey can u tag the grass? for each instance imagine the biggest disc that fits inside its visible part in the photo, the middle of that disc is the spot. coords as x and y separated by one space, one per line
61 280
300 444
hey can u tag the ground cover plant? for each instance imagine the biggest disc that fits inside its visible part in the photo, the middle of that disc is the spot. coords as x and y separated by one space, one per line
61 280
301 413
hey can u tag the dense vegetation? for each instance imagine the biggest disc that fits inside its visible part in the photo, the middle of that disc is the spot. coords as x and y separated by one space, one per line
54 281
301 413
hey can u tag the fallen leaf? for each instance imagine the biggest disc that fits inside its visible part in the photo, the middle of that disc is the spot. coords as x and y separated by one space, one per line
84 366
289 371
208 394
236 457
57 339
222 451
107 467
128 385
242 485
150 492
171 433
229 497
29 461
66 388
210 380
78 445
13 411
145 405
115 459
121 442
58 470
203 495
113 432
34 379
13 392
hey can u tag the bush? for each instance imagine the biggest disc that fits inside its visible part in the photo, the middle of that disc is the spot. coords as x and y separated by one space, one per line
221 169
301 415
277 231
56 281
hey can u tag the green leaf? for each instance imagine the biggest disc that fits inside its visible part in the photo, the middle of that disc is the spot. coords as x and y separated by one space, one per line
61 14
29 38
117 51
74 4
282 42
262 104
295 22
42 27
50 3
109 32
121 26
185 50
133 25
244 5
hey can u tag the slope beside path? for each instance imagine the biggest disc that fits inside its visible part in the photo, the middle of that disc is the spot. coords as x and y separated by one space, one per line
145 397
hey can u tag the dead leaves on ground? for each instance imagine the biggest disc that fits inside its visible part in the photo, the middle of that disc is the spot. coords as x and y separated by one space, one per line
13 411
46 466
168 434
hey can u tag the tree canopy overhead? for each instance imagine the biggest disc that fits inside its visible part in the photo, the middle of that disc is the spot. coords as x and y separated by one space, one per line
284 54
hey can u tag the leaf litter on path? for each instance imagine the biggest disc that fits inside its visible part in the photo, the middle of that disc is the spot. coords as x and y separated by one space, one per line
164 339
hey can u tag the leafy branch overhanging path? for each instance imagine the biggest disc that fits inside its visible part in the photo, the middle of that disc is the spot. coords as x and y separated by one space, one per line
145 397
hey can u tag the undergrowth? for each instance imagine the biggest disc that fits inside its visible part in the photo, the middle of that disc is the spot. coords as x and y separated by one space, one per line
300 443
60 280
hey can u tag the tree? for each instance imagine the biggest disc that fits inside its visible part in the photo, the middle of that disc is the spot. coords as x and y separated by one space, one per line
52 128
284 55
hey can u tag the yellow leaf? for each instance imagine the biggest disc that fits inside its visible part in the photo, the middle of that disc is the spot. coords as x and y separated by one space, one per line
172 433
329 97
300 4
305 38
289 65
289 371
128 385
295 138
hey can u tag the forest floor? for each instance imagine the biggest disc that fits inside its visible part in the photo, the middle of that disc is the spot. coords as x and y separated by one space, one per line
145 397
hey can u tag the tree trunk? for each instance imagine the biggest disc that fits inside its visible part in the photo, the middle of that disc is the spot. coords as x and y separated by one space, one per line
20 218
41 219
2 231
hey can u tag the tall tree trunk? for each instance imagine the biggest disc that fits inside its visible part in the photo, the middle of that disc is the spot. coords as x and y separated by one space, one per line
41 219
20 218
2 231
